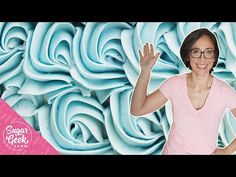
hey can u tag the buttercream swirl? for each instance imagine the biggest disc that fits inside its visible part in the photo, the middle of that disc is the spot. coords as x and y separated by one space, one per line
13 37
48 60
99 57
25 105
73 81
75 124
129 134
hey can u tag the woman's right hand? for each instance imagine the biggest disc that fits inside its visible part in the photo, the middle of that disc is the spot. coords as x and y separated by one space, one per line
147 58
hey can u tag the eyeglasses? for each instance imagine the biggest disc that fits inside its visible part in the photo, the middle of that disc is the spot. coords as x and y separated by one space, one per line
197 53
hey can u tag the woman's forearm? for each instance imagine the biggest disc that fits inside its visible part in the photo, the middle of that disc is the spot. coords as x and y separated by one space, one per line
147 60
140 92
231 147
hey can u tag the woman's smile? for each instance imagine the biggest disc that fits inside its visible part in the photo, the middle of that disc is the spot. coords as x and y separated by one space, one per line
202 66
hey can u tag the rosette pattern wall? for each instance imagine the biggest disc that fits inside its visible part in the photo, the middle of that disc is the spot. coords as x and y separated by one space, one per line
73 82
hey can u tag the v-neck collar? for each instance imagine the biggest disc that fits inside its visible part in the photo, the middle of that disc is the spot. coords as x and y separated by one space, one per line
206 100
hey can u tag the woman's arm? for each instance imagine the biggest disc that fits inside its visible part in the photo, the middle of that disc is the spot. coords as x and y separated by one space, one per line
142 103
226 150
231 147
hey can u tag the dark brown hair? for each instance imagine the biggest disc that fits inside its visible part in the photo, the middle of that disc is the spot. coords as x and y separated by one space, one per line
191 39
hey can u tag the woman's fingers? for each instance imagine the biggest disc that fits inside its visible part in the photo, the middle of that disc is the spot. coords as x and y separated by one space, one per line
157 55
145 49
147 57
148 49
151 50
148 52
140 53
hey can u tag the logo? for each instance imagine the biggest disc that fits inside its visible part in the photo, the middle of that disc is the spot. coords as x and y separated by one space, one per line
17 136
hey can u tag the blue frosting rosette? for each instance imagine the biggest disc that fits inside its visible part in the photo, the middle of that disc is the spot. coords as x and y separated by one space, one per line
226 37
73 82
48 61
133 135
99 57
74 124
13 37
25 105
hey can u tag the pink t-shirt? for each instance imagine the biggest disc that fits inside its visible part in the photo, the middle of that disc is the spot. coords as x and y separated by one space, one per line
195 131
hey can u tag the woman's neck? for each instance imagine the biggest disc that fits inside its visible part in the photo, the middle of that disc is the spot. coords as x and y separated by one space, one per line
199 82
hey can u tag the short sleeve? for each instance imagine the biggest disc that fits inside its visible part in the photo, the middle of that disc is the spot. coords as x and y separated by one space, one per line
229 96
167 87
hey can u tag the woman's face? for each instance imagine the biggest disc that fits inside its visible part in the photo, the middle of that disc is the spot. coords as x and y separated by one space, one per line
202 56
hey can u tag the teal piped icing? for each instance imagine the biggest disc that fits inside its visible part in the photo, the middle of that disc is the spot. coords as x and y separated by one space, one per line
13 37
73 81
129 134
74 124
25 105
99 56
48 61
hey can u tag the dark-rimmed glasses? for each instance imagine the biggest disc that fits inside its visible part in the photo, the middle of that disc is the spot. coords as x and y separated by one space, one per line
197 53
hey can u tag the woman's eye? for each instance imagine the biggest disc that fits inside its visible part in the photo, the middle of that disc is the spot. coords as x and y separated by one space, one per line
195 51
209 52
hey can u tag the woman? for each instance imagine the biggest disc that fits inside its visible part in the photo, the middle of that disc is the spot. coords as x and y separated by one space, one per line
198 98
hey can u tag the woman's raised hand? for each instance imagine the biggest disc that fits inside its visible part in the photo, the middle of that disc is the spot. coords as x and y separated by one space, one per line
147 58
